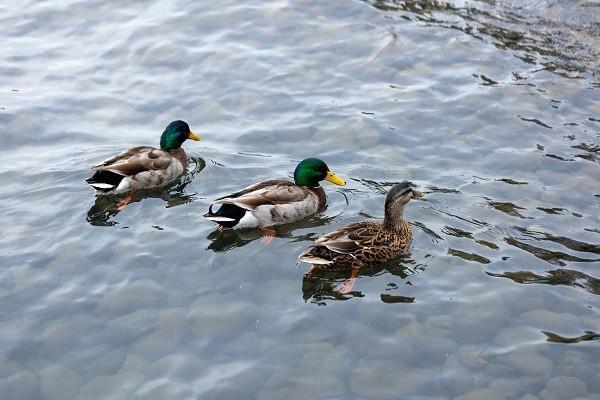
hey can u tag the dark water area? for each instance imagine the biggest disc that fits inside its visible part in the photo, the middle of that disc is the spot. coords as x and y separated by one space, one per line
490 108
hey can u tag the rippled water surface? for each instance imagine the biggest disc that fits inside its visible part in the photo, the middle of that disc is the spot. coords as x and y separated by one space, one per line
491 108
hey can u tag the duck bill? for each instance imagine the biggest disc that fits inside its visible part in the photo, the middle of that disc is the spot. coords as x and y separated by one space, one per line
194 136
418 195
333 178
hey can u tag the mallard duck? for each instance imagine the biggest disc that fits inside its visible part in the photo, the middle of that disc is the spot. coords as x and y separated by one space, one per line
366 242
144 167
275 202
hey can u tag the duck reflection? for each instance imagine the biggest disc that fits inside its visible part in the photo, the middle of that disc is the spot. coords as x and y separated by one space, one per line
227 239
105 207
321 285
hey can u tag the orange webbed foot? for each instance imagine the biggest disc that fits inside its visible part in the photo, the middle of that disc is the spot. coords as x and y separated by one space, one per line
347 285
268 235
121 204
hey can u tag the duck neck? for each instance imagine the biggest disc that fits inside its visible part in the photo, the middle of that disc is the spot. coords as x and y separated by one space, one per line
394 219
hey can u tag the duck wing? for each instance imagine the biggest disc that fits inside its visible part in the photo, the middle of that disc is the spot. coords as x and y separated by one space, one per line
135 160
351 238
271 192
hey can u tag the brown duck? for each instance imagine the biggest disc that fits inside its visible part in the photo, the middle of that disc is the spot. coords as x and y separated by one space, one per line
366 242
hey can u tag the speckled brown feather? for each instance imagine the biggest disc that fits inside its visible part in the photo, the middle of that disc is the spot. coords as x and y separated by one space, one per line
359 244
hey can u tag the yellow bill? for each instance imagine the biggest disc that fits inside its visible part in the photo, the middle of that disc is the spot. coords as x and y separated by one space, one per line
333 178
193 136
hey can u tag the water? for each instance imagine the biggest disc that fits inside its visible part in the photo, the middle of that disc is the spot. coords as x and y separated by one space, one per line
491 109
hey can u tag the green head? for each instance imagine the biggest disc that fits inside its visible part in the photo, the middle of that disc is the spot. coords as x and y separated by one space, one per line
175 134
312 170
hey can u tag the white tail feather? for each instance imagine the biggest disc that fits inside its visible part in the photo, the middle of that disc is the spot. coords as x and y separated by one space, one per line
99 185
314 260
219 219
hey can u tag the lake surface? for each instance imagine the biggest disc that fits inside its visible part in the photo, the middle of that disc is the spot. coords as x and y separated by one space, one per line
491 108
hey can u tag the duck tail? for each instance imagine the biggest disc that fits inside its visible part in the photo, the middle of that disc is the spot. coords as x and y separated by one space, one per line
104 181
228 215
309 257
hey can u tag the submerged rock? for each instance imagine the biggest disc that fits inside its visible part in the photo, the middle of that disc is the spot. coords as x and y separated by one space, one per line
59 383
481 394
23 386
563 388
377 379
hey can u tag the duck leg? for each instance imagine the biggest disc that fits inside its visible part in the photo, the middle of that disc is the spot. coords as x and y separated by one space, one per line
121 204
347 285
268 235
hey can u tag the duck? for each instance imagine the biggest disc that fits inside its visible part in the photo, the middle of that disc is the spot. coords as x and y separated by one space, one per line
144 167
365 243
276 201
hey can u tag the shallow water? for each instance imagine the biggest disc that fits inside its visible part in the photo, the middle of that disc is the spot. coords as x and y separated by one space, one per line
491 109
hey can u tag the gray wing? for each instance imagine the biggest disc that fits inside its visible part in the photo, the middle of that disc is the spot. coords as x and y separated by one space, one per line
272 192
135 160
350 238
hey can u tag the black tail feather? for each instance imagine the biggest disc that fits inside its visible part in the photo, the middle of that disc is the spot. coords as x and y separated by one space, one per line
227 211
105 177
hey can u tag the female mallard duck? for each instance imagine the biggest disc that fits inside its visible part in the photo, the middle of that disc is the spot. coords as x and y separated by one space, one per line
366 242
144 167
276 201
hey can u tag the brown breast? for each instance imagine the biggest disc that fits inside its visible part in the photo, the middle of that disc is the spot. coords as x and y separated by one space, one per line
320 193
181 156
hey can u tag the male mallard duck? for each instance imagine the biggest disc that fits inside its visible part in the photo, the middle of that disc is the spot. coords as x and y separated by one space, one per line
276 201
366 242
144 167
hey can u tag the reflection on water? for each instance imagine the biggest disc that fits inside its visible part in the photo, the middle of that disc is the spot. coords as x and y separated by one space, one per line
468 256
508 208
319 290
555 277
320 285
105 207
227 239
389 298
553 257
492 106
560 35
434 237
565 241
591 151
588 335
